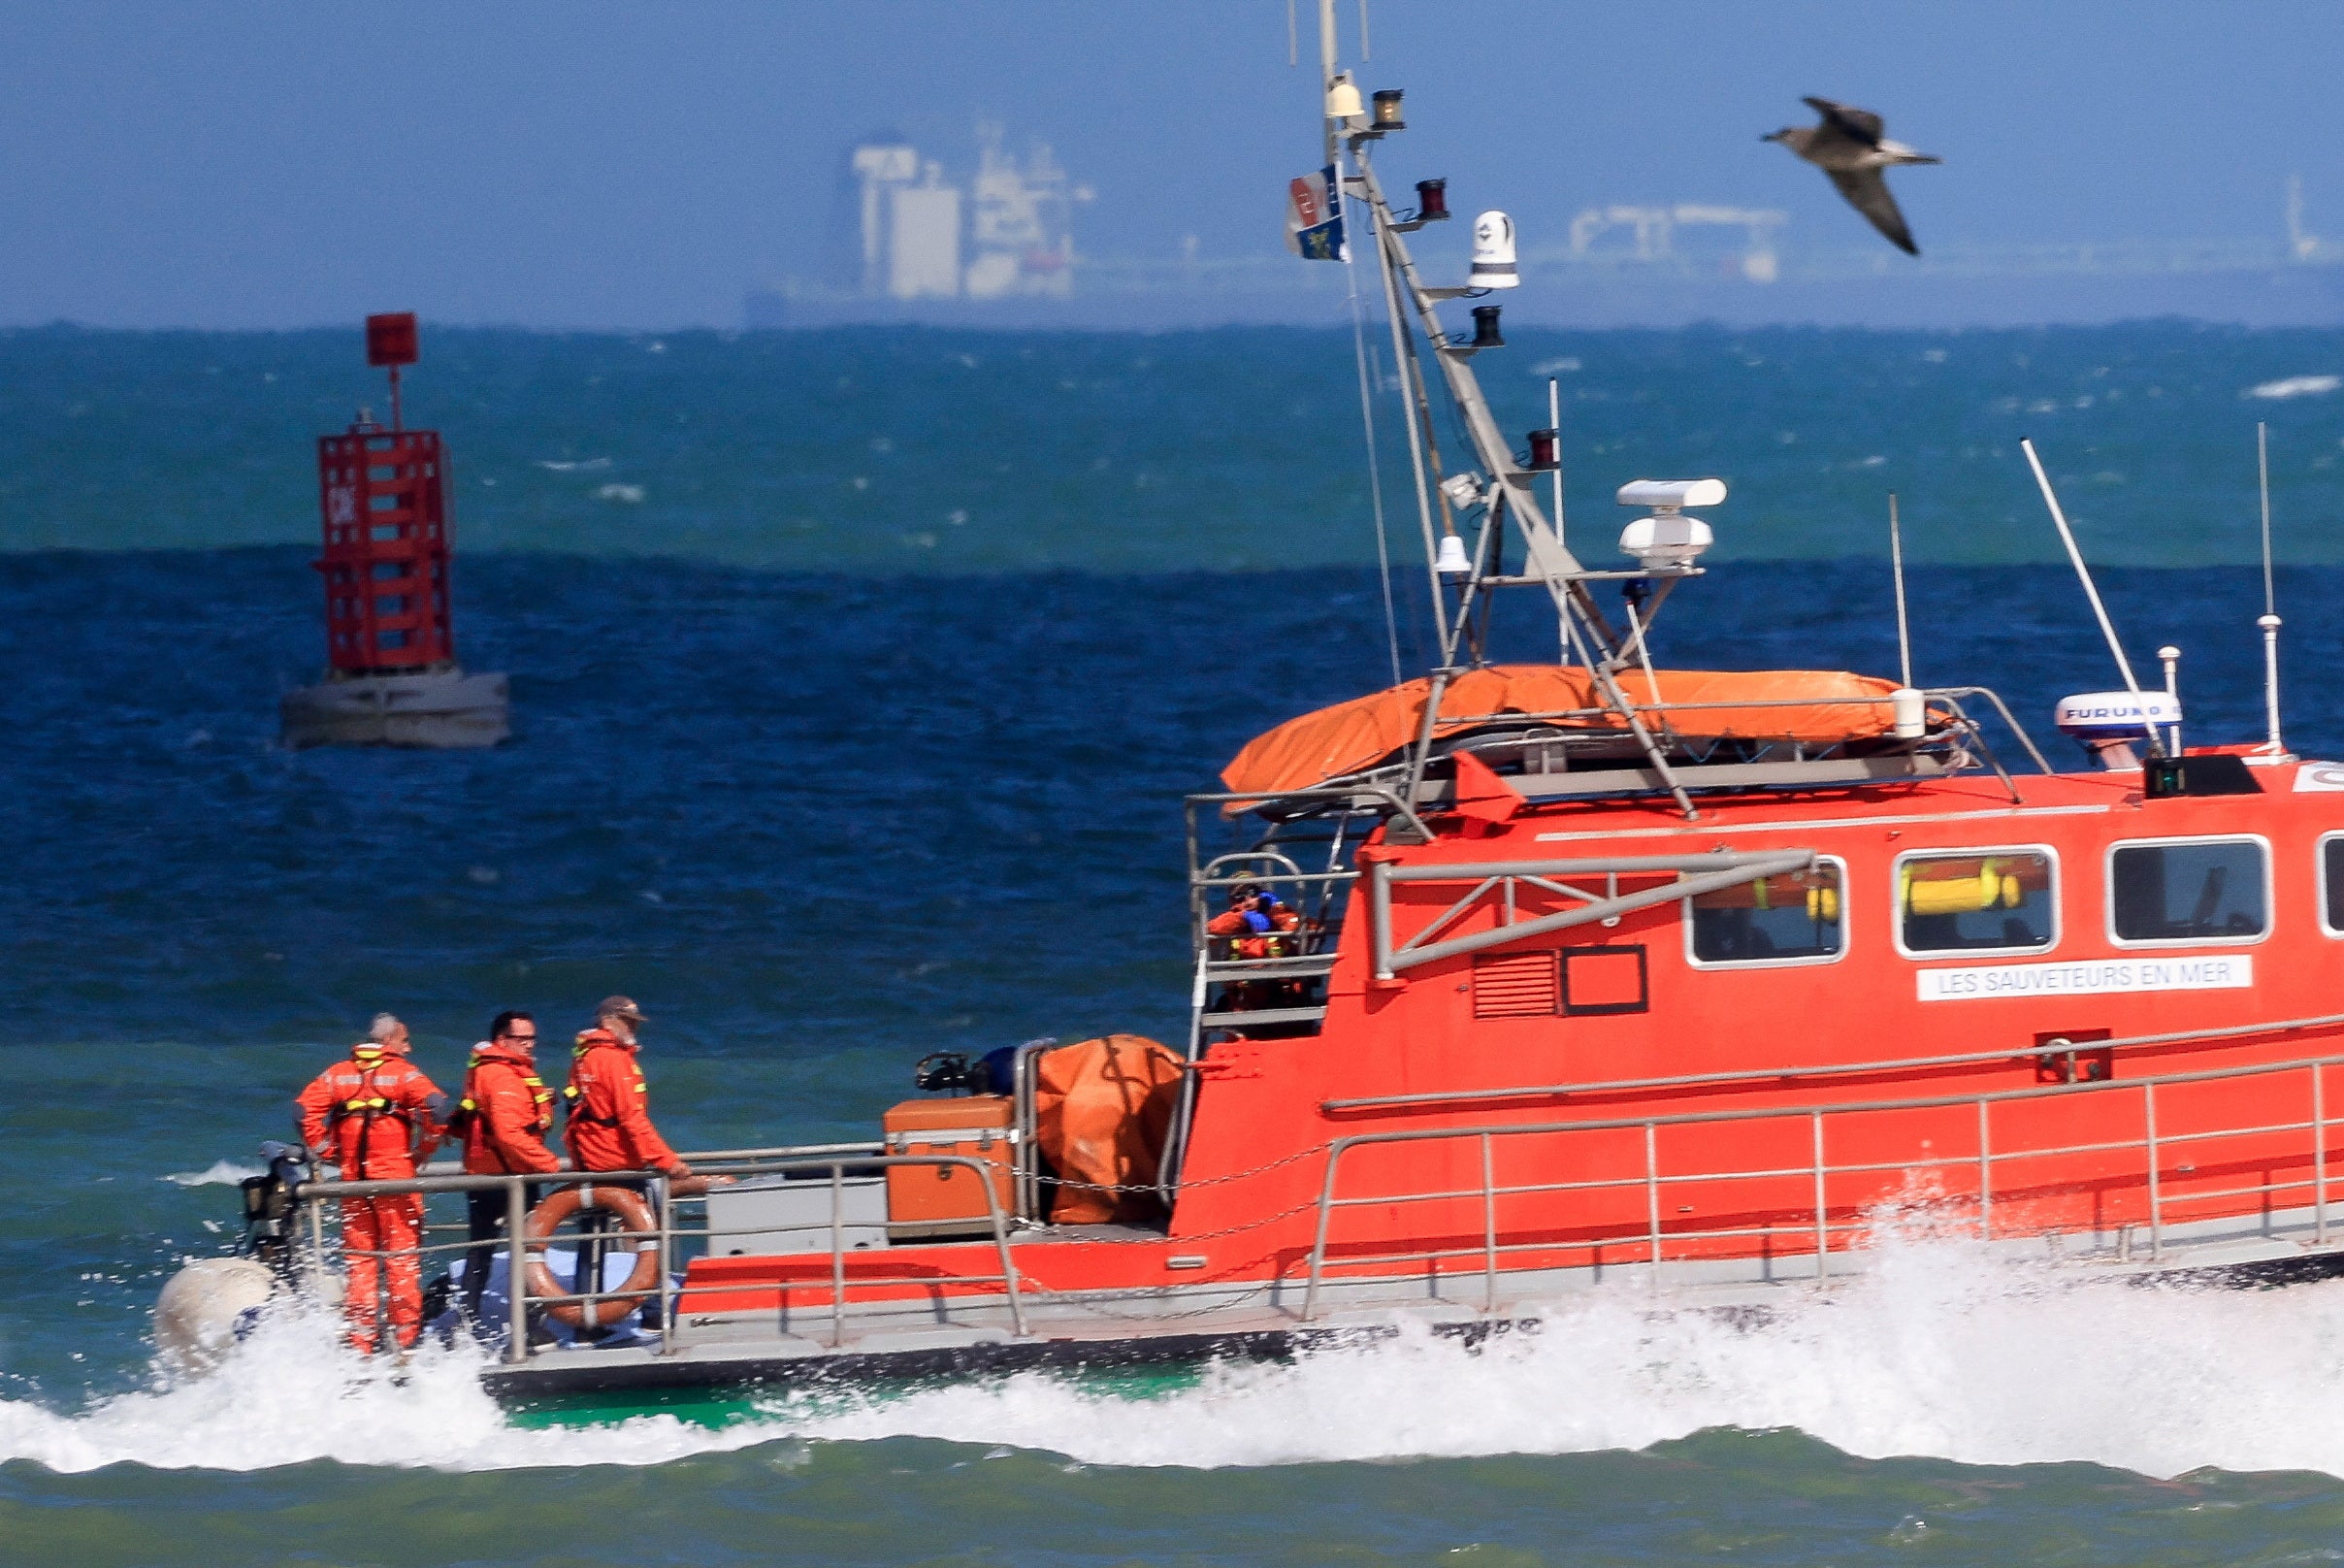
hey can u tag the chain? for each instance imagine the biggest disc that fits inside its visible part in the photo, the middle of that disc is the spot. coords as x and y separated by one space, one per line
1187 1183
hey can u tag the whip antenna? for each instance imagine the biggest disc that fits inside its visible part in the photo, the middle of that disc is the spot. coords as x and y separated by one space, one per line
2083 573
2270 622
1896 566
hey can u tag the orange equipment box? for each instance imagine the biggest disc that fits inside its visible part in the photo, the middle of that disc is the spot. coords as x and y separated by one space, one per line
946 1200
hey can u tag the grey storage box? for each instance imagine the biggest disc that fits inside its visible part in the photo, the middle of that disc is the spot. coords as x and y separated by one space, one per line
765 1214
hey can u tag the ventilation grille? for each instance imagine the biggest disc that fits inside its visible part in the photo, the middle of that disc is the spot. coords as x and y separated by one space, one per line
1516 985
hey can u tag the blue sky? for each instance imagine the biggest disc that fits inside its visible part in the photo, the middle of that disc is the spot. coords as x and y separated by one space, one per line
584 164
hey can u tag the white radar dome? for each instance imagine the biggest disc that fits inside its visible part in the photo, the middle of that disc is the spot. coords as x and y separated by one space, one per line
1493 265
2115 715
1666 539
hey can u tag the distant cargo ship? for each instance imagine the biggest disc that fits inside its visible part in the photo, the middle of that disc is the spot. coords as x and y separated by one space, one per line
904 234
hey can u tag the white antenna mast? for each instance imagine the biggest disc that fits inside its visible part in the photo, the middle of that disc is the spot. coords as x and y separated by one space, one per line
2066 536
2269 621
1895 565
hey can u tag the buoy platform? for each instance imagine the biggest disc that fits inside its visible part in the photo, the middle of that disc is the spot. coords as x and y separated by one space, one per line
392 678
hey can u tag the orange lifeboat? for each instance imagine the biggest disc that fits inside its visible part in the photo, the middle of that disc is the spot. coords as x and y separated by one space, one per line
1816 706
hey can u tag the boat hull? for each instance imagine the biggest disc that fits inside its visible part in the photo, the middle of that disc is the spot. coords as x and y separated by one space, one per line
1110 1342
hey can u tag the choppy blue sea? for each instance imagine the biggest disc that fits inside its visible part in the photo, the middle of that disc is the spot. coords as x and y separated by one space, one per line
832 774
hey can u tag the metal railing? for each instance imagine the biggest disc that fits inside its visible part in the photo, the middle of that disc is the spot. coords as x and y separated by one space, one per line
1814 1218
1691 876
835 1162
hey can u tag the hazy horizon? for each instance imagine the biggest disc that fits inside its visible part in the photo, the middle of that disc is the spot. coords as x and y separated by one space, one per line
217 166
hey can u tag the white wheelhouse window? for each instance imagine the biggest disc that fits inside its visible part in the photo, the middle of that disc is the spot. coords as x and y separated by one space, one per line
1960 902
2205 891
1799 917
2331 853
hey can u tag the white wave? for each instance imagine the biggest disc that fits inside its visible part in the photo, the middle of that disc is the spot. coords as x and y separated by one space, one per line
1941 1352
588 464
2296 386
220 1173
290 1393
629 494
1552 367
1938 1350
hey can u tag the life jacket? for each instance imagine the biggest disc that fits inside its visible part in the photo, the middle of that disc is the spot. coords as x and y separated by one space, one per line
468 1109
494 1138
574 1098
368 1102
356 1096
608 1108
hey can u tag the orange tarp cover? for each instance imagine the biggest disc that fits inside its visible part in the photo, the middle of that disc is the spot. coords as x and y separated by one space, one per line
1101 1108
1351 736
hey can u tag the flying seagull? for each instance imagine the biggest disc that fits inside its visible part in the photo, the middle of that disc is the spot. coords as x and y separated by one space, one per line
1847 146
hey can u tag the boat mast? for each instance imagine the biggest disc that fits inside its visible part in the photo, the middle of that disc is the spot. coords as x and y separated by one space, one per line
1546 559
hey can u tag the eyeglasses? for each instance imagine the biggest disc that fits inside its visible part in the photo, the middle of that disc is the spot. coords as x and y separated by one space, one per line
525 1039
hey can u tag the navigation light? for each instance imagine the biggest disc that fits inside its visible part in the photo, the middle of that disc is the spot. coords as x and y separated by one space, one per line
1387 111
1432 201
1486 334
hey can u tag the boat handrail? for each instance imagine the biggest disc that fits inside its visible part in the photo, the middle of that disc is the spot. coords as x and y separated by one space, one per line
1338 792
836 1163
695 1157
1856 1069
1816 1116
1695 874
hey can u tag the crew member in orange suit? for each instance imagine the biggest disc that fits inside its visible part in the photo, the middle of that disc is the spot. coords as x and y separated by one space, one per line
503 1119
610 1115
1255 920
376 1118
609 1103
1256 924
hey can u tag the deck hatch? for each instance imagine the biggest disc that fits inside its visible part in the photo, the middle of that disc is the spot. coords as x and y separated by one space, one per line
1518 984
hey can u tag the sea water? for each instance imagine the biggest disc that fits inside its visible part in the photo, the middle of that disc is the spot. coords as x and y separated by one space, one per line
826 797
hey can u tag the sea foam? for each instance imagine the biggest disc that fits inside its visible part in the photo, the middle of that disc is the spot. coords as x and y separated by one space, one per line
1939 1349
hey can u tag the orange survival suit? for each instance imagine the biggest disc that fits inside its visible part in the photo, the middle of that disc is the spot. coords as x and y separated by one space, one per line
376 1115
508 1112
610 1108
1258 935
1262 933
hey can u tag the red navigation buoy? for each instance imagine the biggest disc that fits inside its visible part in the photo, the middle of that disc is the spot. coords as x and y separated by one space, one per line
392 678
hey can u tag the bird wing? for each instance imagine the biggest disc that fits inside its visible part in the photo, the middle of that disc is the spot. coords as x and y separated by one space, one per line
1861 124
1868 193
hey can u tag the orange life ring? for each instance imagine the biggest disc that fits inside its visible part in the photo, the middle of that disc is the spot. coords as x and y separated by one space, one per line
549 1217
